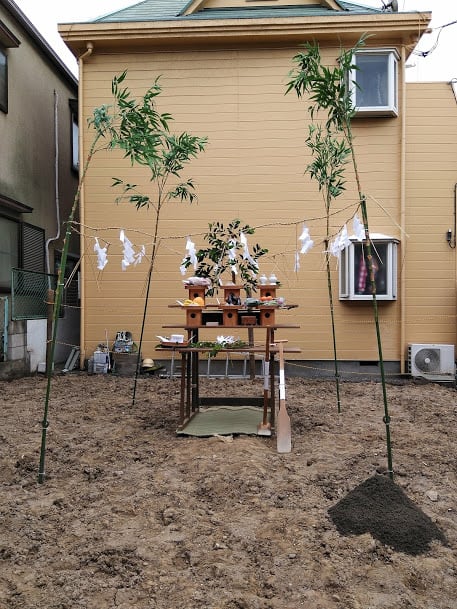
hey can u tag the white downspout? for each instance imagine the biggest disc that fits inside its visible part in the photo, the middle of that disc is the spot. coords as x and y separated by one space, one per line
87 53
56 180
403 218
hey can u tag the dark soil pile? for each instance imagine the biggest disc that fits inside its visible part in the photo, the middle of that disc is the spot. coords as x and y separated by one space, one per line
381 508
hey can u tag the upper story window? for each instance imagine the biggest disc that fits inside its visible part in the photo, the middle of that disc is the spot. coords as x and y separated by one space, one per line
7 41
374 84
3 80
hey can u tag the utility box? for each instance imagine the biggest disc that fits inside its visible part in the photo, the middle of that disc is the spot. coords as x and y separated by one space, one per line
100 362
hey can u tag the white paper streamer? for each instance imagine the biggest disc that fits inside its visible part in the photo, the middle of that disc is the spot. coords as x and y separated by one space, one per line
358 229
306 241
297 261
340 242
128 251
191 254
102 258
140 255
246 254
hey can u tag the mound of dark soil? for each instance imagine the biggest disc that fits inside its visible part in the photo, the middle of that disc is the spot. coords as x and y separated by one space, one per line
380 507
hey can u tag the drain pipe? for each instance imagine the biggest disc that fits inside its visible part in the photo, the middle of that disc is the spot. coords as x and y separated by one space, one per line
56 180
454 241
87 53
403 219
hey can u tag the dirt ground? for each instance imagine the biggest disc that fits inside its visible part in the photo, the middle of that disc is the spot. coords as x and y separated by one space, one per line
131 516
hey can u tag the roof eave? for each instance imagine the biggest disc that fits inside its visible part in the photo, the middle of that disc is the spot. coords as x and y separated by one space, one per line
405 28
44 47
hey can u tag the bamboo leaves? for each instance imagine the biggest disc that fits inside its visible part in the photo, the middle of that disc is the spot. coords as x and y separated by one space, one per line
143 133
330 155
327 88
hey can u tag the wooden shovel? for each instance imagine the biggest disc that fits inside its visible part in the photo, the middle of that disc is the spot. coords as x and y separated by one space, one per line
283 433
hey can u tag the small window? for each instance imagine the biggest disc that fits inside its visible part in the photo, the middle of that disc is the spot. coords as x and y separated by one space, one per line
3 81
353 269
74 135
22 246
32 248
374 87
9 250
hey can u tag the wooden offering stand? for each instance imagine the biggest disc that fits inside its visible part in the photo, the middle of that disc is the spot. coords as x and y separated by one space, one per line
229 314
232 312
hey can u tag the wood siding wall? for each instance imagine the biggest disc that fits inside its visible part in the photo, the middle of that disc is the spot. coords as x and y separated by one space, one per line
253 169
430 264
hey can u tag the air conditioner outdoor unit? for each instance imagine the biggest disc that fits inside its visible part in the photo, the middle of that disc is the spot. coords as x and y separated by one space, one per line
433 362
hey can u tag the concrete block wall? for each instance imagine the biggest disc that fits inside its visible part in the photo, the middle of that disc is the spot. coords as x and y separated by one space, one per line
17 340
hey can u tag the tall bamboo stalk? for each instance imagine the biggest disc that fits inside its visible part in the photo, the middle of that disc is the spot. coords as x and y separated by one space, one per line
332 318
371 274
146 299
56 310
328 92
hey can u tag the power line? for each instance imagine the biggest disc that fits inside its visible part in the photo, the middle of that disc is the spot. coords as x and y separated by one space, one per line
440 28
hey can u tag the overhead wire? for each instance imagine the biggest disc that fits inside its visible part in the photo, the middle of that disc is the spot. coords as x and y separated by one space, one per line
435 44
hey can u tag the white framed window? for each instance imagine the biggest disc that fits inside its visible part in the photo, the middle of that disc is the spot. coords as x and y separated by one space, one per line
354 279
374 82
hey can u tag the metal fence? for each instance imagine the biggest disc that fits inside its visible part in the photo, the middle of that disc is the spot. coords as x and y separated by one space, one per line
4 319
29 293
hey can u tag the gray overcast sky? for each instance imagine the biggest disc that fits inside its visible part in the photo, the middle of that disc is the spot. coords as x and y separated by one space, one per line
440 64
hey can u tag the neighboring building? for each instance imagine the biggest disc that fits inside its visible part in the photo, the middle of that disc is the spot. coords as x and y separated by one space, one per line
38 181
224 66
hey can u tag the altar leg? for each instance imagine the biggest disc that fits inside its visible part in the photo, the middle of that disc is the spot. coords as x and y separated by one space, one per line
188 383
182 403
271 336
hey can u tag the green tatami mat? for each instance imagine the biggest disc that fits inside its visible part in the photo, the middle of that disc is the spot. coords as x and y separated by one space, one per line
224 420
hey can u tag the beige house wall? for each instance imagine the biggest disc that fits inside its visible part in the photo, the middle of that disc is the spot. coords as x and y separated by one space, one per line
429 262
253 169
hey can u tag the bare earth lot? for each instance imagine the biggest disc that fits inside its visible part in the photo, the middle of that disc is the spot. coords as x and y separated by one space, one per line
132 517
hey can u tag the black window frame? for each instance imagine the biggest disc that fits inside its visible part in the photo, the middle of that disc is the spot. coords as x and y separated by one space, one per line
3 80
6 287
32 238
74 135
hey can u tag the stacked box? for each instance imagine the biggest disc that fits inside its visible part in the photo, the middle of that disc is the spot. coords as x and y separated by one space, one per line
230 316
100 362
125 363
